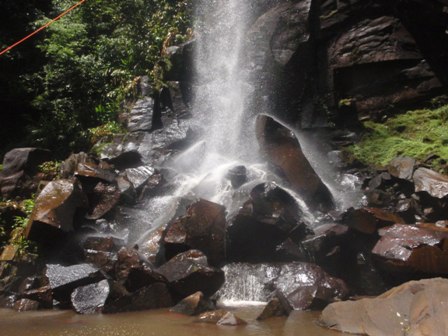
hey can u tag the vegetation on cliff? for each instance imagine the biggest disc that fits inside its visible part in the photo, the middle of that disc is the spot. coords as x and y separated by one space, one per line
421 134
88 61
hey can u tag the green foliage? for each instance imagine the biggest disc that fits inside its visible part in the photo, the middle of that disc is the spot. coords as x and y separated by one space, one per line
24 246
51 169
92 56
105 132
417 134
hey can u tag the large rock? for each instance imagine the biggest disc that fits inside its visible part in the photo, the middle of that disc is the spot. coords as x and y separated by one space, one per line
90 299
202 228
266 220
55 208
402 167
103 198
188 273
431 182
408 248
64 279
154 296
414 308
19 167
369 220
282 150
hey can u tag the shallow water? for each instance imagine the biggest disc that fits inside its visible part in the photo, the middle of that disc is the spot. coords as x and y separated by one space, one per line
152 323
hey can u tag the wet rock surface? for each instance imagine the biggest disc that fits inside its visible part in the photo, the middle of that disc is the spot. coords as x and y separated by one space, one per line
407 248
55 207
417 307
188 273
203 228
90 299
282 149
266 220
431 182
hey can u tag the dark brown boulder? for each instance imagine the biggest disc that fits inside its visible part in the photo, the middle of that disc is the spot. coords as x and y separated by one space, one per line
313 289
282 150
431 182
265 221
20 166
55 208
409 248
194 304
416 308
188 273
277 306
203 228
369 220
102 199
154 296
152 244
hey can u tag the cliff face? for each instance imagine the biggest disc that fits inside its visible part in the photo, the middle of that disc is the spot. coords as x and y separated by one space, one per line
354 58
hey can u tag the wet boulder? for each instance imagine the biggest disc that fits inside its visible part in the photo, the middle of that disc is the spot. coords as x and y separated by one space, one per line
90 299
188 273
324 246
429 181
64 279
54 210
133 271
411 249
220 317
416 307
369 220
154 296
20 165
138 176
69 165
91 172
314 288
102 199
152 245
265 221
402 167
282 150
194 304
202 228
125 160
101 251
278 305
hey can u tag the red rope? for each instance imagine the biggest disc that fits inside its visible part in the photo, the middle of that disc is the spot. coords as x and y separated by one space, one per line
42 28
